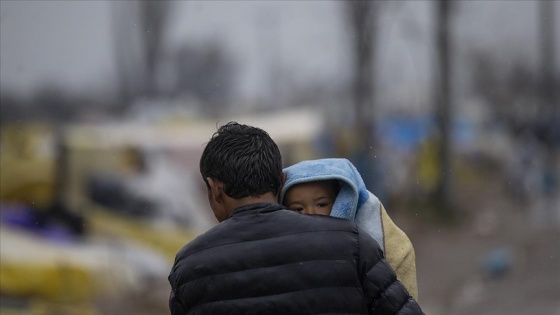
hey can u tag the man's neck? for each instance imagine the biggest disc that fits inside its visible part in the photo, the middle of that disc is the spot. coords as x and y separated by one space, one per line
233 204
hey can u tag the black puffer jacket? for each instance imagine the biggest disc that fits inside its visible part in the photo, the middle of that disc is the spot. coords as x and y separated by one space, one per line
268 260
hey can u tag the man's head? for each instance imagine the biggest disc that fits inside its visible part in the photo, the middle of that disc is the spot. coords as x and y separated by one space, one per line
240 163
316 197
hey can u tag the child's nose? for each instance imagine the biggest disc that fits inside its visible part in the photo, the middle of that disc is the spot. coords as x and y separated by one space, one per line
312 210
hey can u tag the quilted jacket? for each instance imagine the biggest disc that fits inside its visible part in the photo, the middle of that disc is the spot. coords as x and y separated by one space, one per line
265 259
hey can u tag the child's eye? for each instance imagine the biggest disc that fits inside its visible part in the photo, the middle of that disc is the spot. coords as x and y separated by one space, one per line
297 209
322 205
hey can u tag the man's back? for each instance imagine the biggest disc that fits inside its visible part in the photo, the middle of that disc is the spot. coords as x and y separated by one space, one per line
266 260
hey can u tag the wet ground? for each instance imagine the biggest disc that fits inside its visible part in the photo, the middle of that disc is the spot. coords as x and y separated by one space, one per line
502 260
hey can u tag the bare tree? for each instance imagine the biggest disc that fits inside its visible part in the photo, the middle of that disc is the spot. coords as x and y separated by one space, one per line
126 49
523 98
362 15
548 110
139 28
443 101
205 71
153 18
550 113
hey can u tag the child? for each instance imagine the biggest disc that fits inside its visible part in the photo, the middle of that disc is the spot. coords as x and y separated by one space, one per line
334 187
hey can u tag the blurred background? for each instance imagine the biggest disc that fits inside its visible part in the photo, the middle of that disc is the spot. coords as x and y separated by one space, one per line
449 109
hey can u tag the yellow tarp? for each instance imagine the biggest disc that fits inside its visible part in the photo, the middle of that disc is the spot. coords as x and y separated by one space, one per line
30 266
166 240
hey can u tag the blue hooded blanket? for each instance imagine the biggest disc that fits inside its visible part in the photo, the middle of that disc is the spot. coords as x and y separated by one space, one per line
354 201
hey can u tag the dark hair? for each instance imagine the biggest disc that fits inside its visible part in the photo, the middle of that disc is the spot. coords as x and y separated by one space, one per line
245 159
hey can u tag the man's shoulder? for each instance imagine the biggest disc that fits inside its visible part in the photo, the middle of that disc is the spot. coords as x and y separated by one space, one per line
201 242
281 222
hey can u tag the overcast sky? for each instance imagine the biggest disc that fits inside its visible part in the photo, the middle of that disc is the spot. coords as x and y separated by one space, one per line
69 44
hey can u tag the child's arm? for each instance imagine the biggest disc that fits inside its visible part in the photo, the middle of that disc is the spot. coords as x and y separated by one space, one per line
399 252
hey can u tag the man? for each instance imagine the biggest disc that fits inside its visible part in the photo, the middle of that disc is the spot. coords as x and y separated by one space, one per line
265 259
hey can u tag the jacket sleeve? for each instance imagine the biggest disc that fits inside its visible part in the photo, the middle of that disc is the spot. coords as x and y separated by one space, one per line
385 295
175 306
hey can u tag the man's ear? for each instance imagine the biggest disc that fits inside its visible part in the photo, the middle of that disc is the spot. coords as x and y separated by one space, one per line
217 189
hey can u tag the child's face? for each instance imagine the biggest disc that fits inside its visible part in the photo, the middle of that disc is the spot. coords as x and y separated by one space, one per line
311 198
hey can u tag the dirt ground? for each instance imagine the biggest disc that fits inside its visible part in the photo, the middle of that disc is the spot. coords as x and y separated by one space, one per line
500 260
